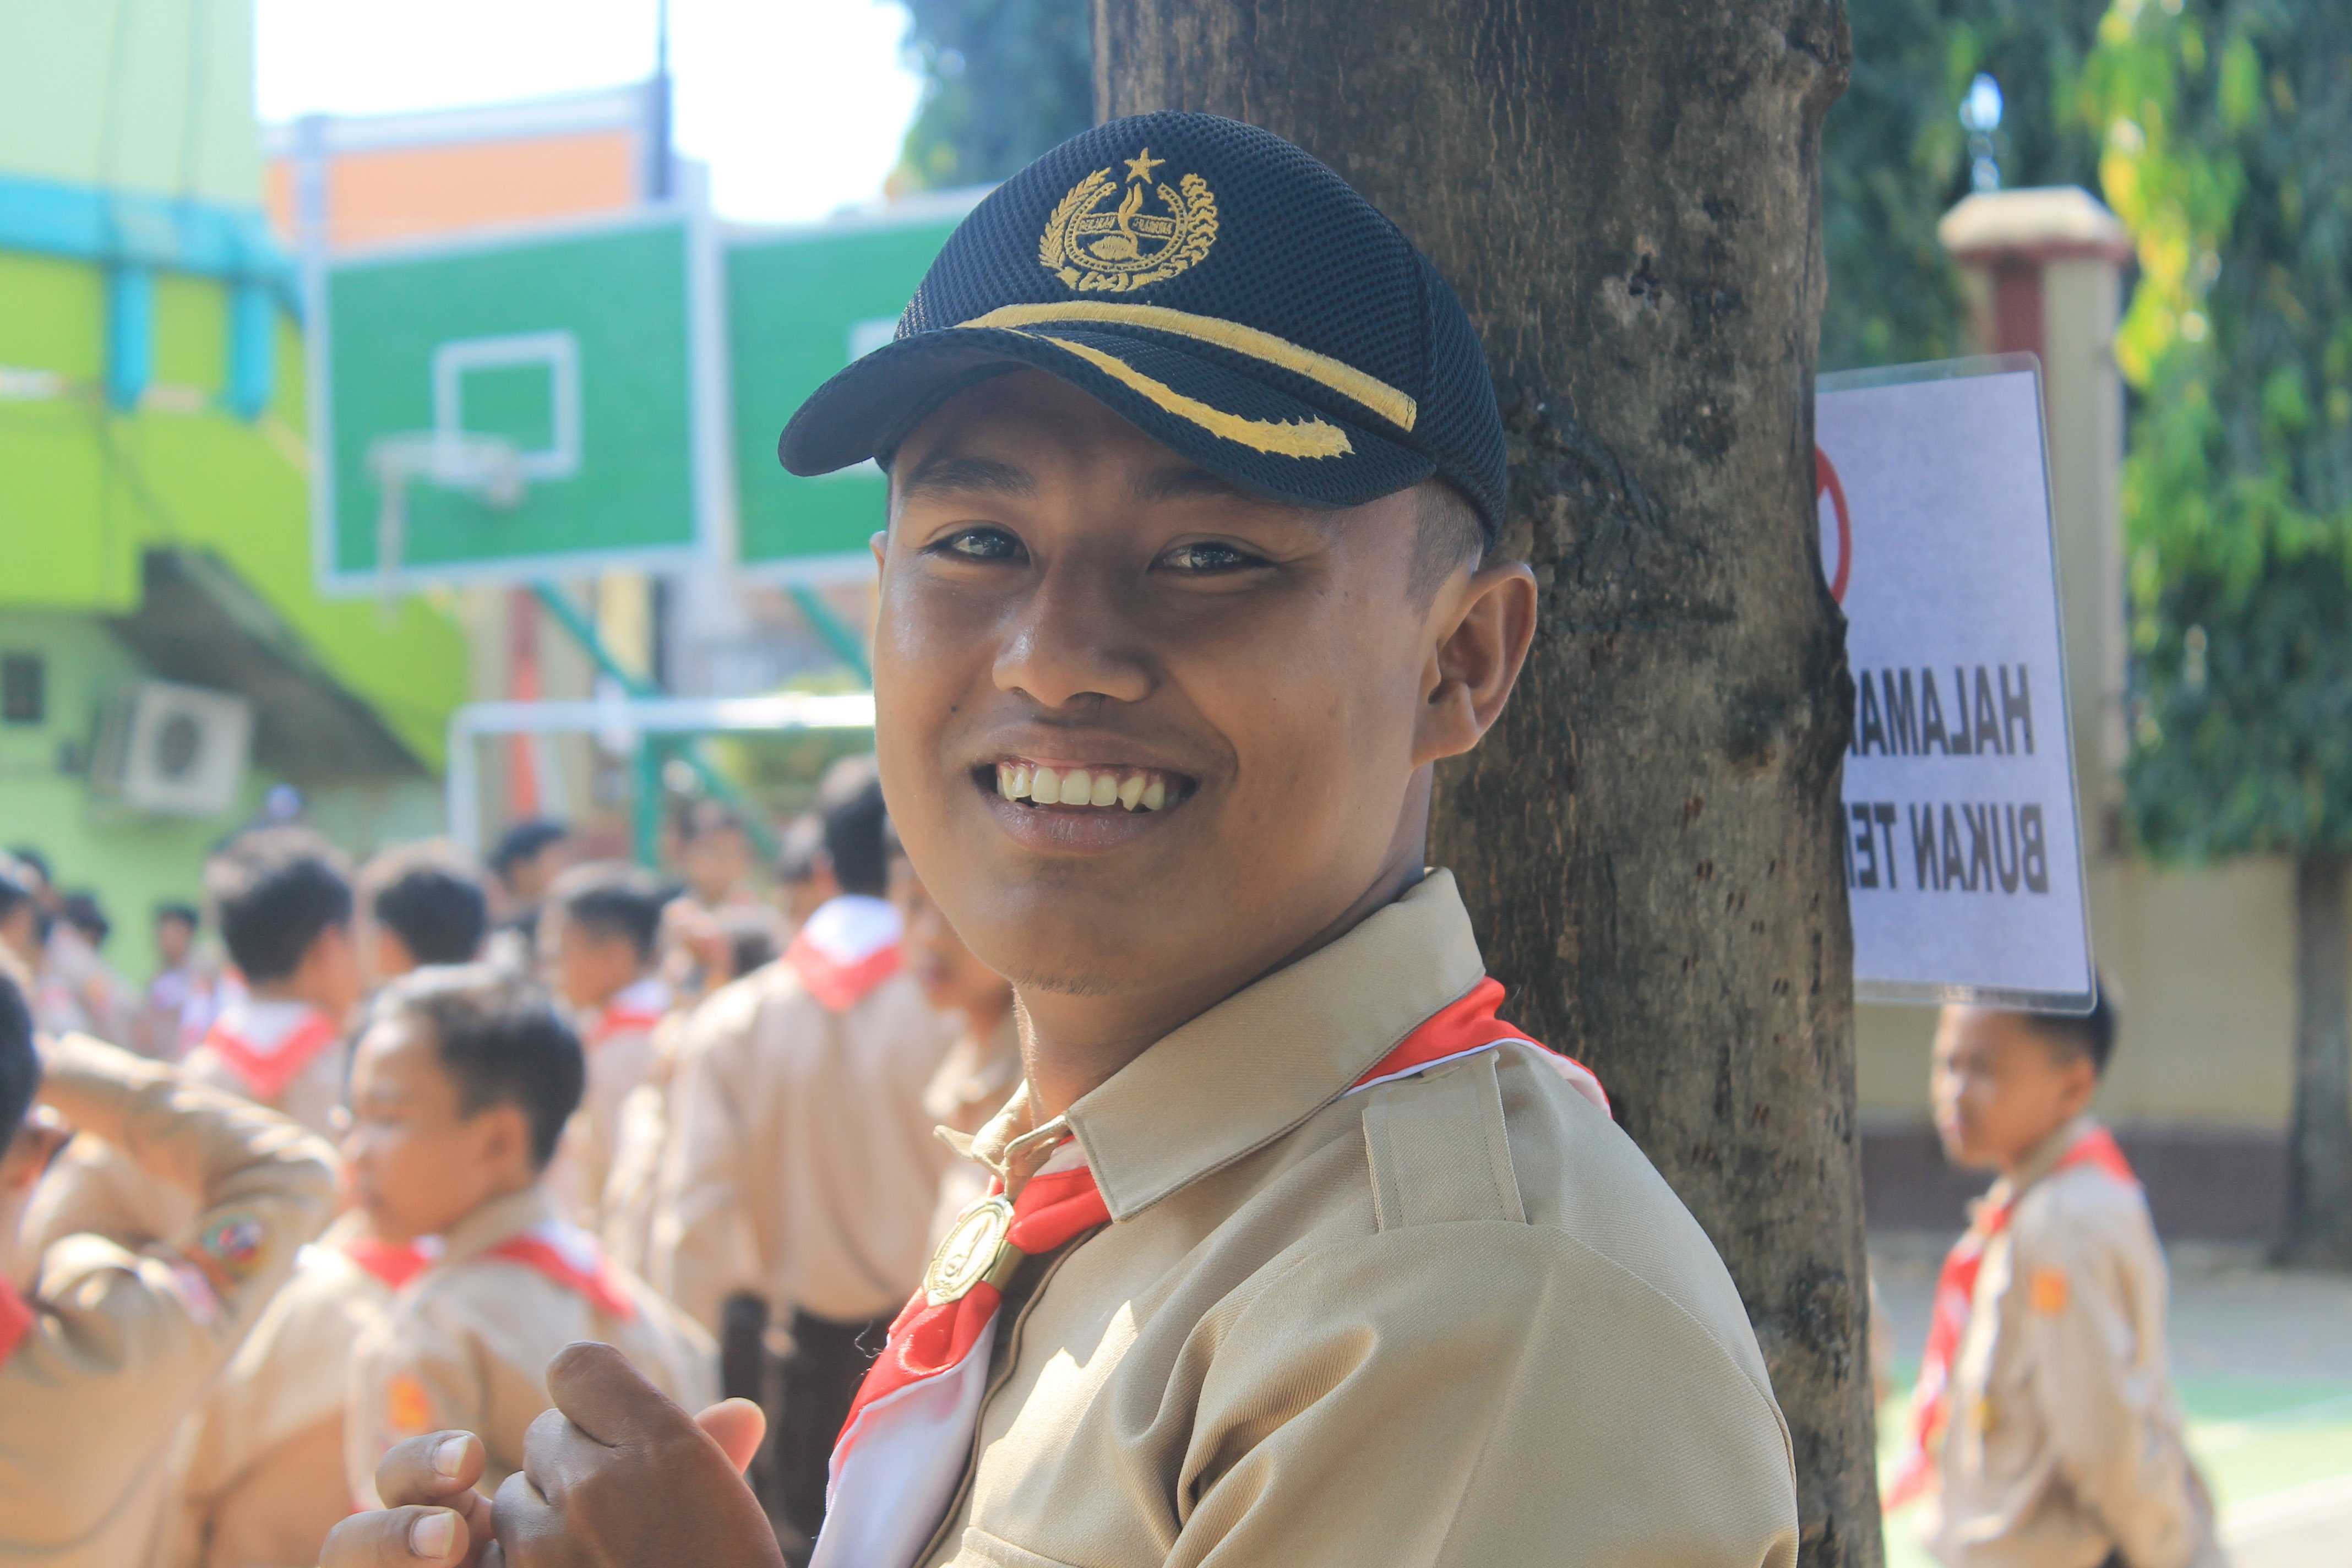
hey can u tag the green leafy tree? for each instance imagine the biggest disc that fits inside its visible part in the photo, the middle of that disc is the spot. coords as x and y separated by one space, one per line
2228 149
1004 80
1894 156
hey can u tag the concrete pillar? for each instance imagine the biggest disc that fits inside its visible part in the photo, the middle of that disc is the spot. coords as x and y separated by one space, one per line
2043 272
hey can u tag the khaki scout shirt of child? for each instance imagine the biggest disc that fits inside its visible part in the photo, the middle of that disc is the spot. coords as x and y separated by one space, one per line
619 1044
467 1343
2065 1441
1454 1319
263 1465
640 1148
122 1343
803 1126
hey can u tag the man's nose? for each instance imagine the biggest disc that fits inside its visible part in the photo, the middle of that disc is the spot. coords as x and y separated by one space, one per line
1071 640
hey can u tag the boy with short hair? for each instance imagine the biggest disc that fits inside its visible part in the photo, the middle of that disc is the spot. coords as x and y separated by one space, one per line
1300 1255
600 932
174 995
460 1090
2045 1429
527 858
110 1348
424 905
282 900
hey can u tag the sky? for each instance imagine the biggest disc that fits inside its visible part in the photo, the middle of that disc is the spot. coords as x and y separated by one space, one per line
798 106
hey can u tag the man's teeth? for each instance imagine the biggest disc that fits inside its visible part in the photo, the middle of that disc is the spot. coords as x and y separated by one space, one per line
1137 789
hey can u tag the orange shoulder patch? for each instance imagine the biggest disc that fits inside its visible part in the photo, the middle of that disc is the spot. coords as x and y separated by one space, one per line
407 1408
2048 1292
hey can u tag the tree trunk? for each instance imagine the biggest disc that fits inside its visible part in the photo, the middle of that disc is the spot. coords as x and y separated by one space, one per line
2319 1143
1627 198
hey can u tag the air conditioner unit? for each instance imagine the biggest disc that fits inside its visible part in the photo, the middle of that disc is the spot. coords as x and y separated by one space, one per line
173 750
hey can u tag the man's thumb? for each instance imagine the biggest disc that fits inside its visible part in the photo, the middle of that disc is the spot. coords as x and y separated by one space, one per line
736 1425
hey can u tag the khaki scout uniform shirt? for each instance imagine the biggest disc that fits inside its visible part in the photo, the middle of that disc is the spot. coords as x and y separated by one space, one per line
467 1344
618 1043
2066 1437
979 1073
1456 1318
806 1128
263 1460
123 1343
640 1146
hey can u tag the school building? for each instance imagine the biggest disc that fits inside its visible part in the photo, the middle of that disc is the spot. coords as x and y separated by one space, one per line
165 658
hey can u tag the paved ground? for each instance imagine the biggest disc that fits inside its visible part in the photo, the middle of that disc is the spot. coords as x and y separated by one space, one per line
2265 1366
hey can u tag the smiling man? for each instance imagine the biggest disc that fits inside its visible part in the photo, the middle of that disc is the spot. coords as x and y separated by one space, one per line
1297 1255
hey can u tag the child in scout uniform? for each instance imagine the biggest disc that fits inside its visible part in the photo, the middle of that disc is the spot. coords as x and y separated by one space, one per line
104 1351
800 1132
283 905
425 904
600 931
983 1067
460 1088
2046 1432
1299 1254
262 1463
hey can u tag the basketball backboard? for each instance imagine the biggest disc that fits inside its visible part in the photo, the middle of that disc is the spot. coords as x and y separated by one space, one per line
801 303
591 357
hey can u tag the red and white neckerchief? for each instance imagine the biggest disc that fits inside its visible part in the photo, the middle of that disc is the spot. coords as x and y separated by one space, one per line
845 948
1956 1293
391 1263
267 1044
15 1321
636 1009
570 1257
902 1452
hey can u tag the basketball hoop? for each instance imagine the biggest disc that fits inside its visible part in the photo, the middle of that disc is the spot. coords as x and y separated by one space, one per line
487 468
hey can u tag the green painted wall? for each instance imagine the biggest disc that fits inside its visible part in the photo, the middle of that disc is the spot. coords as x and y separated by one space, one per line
107 92
85 491
133 861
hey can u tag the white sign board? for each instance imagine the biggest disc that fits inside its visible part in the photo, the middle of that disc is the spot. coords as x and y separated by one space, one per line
1963 845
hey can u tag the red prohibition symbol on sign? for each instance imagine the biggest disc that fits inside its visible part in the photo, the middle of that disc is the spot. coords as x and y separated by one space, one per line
1825 482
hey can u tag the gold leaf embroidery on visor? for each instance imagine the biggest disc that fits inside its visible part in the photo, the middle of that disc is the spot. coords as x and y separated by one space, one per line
1309 437
1336 375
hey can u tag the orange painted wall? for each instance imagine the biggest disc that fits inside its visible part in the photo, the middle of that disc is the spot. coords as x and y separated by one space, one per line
391 194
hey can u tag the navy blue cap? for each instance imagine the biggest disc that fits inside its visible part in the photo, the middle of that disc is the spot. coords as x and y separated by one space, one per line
1217 287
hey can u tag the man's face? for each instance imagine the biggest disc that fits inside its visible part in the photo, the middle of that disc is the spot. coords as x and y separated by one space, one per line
2000 1088
171 938
20 933
531 877
1061 593
416 1163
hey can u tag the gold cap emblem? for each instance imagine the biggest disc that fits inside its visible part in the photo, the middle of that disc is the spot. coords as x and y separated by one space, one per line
1152 231
969 1251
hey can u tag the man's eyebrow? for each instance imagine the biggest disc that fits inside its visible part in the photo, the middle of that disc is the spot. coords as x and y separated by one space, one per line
1182 481
948 473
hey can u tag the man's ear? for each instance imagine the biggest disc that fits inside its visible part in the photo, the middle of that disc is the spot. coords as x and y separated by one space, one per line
1484 624
503 1132
878 543
2081 1084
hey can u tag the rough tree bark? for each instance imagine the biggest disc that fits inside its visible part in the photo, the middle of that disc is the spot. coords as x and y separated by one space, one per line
2318 1229
1627 197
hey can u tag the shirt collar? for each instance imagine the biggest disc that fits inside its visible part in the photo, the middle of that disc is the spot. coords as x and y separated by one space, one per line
496 1220
2038 1162
1261 1062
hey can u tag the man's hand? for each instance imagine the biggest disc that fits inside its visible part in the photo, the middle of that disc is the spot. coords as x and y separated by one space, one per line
662 1487
617 1477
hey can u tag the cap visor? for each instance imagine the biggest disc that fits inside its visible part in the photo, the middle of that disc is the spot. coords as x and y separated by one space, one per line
1243 427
